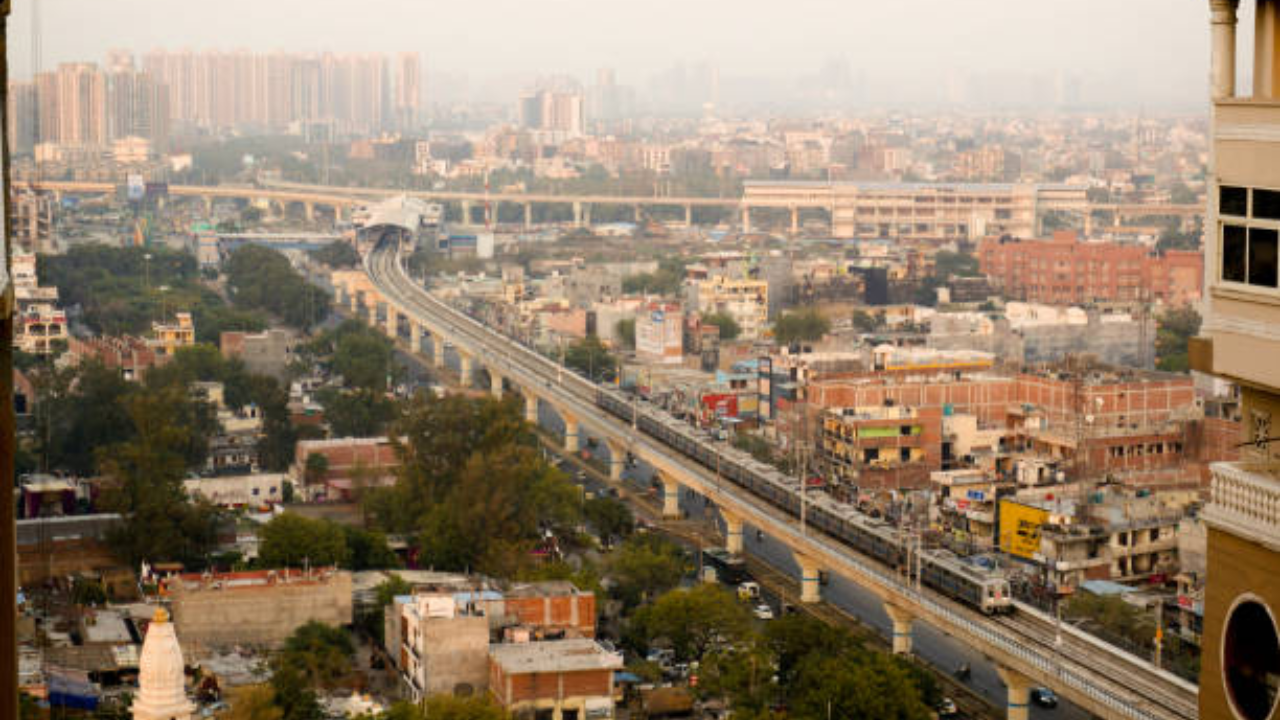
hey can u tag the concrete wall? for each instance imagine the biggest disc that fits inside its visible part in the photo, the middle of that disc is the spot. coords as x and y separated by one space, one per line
455 652
258 614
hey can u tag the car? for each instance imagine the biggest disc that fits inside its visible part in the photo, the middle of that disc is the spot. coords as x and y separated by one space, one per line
762 612
947 708
1044 697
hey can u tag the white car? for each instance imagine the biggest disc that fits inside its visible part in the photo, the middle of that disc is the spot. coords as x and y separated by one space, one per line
762 612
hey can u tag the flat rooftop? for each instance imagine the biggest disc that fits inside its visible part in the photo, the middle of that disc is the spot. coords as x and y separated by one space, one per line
573 655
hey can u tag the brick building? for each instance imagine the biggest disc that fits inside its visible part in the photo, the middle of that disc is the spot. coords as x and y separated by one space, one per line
132 356
260 607
1066 271
369 460
557 680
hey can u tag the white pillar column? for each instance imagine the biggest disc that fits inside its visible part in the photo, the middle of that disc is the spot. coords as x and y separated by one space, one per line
530 408
437 349
495 383
810 579
415 336
901 628
617 460
670 497
393 323
528 215
577 214
465 370
732 532
1222 63
1018 703
746 218
570 434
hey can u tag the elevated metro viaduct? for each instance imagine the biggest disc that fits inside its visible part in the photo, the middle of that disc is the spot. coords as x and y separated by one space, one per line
1027 647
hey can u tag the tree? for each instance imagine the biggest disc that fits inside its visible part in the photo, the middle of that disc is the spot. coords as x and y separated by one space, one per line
590 357
368 550
262 279
356 413
645 566
948 264
291 540
322 653
695 621
665 280
729 329
1175 328
316 468
145 472
856 685
254 702
626 332
364 357
806 325
610 518
866 322
337 254
450 707
372 620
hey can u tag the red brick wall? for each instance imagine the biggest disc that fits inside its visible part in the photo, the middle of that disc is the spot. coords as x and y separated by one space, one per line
556 612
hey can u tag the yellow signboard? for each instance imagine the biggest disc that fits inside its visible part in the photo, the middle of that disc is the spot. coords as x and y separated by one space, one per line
1020 528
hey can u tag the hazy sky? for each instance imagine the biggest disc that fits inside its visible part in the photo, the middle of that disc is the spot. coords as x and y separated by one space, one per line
1146 49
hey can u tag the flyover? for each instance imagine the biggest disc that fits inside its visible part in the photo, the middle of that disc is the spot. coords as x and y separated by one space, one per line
870 209
1028 646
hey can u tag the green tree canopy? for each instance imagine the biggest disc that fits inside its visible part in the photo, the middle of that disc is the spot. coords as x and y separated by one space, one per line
291 540
450 707
645 566
805 325
694 621
262 279
729 329
337 254
590 357
609 517
665 280
947 264
1175 328
626 331
364 357
472 486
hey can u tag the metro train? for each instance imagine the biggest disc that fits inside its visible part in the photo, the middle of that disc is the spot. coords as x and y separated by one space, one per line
941 570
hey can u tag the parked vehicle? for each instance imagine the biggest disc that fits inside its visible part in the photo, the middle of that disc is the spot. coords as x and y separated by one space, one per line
947 708
1044 697
748 591
762 612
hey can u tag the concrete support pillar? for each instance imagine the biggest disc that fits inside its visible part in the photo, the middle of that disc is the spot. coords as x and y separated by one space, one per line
495 383
670 497
901 628
393 322
437 349
577 214
732 532
810 579
570 434
746 218
353 296
528 216
617 460
688 216
586 214
415 336
795 220
465 369
639 215
1222 55
530 407
309 211
466 212
1018 686
208 205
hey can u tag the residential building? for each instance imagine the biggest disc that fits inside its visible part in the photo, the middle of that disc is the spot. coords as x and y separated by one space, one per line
1239 342
659 333
237 491
166 338
886 446
1067 271
745 300
132 356
266 353
570 678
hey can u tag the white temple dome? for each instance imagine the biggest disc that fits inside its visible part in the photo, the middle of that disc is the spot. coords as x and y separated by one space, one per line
162 691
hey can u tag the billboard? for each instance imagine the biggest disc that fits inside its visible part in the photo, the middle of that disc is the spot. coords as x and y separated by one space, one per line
1020 528
135 187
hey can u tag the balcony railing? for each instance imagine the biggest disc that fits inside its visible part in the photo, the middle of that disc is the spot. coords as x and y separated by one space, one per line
1245 500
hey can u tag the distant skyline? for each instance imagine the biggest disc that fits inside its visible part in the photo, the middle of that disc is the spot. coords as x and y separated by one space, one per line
1126 54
